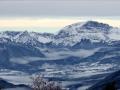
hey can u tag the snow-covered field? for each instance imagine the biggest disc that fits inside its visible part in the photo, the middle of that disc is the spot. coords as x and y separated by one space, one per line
69 74
83 73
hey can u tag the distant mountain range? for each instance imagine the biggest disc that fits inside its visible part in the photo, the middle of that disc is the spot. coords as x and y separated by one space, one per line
77 51
84 35
68 36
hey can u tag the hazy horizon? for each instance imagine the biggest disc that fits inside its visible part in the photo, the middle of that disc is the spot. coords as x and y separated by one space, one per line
49 24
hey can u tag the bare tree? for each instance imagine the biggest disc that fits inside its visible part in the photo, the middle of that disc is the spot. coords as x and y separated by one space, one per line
39 83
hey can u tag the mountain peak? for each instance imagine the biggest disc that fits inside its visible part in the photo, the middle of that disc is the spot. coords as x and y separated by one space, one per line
96 25
68 36
92 30
24 33
89 26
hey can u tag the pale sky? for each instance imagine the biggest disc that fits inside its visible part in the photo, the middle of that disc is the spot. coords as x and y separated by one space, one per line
59 8
50 24
52 15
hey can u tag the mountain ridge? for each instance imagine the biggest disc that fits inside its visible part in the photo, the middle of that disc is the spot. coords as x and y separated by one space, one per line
68 36
79 52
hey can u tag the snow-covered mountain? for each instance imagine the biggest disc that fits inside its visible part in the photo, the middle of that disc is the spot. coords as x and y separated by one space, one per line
68 36
86 50
84 37
94 31
25 37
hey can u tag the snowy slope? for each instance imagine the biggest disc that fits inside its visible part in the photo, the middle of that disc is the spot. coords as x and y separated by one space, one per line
94 31
25 37
26 53
68 36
